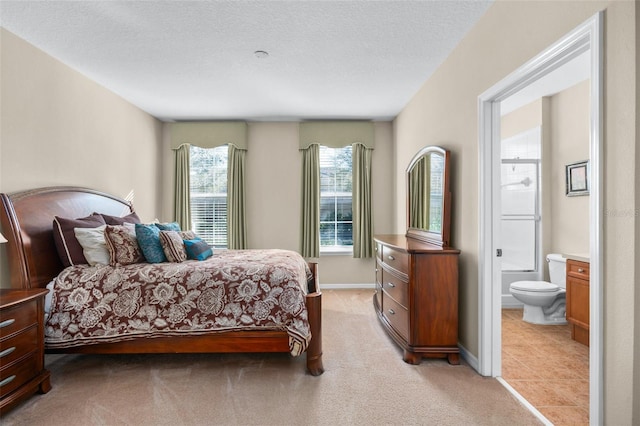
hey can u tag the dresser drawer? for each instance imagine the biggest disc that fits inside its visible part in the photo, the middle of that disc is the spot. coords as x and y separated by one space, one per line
578 269
397 315
18 345
396 288
15 376
17 318
396 259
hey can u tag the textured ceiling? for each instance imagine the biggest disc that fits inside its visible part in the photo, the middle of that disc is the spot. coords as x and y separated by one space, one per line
194 60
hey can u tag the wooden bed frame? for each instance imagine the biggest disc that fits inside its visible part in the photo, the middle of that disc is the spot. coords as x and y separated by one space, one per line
27 223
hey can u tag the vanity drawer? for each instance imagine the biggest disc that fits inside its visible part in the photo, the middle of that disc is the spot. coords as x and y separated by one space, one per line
578 269
397 315
396 288
18 345
17 318
396 259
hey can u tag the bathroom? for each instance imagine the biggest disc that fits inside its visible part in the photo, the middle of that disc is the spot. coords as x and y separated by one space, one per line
543 354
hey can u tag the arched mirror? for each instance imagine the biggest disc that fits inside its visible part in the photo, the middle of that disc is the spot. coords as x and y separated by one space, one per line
429 197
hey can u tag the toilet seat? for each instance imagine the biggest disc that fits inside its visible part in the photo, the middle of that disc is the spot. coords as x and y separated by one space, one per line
535 286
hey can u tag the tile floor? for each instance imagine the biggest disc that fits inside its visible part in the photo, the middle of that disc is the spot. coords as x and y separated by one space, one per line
547 368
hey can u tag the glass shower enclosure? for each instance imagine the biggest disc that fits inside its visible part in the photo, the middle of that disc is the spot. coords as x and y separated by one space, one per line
521 220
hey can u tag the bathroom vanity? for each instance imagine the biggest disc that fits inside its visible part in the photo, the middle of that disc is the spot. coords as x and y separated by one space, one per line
578 299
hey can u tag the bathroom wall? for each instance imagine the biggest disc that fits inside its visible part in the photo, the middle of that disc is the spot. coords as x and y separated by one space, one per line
569 113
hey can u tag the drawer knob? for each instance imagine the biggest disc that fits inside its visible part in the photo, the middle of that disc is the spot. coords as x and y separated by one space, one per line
7 380
391 257
7 351
7 323
580 270
391 284
392 312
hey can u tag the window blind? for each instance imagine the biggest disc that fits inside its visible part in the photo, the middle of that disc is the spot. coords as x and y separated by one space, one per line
208 194
336 186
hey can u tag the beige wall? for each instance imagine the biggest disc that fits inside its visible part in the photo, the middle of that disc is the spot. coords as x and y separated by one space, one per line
60 128
444 112
569 143
526 117
273 179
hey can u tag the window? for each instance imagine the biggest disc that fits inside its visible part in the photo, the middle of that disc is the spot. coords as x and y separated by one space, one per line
208 193
336 218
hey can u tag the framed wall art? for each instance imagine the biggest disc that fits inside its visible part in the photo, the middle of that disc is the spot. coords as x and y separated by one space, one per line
577 178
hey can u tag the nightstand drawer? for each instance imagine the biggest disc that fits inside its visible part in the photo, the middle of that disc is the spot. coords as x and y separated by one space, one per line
18 345
397 316
14 377
18 318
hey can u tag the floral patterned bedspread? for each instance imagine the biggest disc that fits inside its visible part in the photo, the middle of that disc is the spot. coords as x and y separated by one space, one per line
232 290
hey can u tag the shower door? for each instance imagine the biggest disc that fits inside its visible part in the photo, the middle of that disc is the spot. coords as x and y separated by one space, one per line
520 221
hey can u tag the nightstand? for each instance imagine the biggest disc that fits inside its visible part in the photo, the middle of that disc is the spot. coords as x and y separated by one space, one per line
22 371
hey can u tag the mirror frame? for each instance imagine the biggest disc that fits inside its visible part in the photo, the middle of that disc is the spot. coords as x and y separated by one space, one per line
443 238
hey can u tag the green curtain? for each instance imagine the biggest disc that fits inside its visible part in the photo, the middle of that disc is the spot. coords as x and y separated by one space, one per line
310 221
419 182
362 218
236 211
182 207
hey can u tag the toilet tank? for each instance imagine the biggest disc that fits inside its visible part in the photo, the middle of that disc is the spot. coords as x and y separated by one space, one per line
557 269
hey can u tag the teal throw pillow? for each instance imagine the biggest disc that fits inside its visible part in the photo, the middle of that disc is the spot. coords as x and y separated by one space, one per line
198 249
173 226
149 241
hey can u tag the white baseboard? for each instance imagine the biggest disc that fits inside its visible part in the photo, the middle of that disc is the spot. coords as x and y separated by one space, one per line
469 358
352 286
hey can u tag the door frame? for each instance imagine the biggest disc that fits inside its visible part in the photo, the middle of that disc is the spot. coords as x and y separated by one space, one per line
586 37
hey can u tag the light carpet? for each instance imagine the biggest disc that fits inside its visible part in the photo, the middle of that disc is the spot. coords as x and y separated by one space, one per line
365 383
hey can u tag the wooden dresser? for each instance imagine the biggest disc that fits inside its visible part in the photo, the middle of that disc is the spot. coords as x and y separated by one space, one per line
22 371
578 300
416 297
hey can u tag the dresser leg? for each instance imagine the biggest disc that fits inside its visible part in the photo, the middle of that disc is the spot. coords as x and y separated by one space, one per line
454 359
411 358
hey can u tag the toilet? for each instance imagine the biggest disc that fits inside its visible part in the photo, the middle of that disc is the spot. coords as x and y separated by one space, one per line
544 302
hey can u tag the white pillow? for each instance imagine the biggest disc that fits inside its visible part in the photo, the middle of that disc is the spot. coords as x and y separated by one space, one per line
93 244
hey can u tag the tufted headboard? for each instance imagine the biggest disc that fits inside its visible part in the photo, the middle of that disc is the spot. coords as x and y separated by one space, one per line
27 223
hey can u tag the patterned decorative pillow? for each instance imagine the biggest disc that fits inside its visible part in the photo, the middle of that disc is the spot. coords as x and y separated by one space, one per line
149 241
122 245
69 249
93 245
173 226
188 235
173 246
198 249
117 220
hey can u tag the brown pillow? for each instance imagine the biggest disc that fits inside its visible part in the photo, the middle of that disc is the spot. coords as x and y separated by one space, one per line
173 244
68 247
122 245
117 220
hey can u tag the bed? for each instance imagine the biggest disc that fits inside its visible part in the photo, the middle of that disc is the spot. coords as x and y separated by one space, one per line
27 223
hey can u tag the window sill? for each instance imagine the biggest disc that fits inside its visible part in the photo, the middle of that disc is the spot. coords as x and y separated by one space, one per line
347 251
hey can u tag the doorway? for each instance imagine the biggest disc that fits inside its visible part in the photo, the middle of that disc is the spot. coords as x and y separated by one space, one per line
586 38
